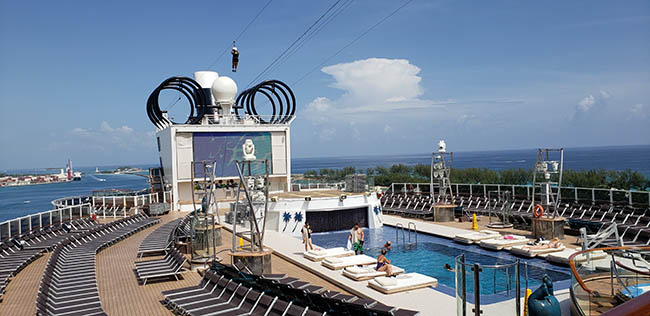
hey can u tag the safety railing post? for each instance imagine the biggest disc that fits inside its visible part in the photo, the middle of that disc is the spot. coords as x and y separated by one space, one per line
517 288
477 290
464 285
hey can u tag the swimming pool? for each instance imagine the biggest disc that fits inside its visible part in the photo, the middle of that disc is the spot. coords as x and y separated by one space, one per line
431 254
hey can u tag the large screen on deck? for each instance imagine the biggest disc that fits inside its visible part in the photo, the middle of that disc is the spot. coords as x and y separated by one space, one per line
226 148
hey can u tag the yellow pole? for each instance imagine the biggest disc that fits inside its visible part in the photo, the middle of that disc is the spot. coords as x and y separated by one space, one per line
528 292
241 242
474 222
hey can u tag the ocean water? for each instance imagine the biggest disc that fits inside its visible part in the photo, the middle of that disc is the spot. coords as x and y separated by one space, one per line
24 200
13 199
611 158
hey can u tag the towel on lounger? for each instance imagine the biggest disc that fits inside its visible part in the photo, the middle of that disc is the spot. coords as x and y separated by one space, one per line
386 281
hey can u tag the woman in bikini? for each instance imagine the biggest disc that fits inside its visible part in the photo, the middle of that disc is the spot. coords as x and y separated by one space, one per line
383 264
554 243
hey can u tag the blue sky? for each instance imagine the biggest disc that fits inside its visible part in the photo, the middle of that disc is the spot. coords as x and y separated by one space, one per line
75 75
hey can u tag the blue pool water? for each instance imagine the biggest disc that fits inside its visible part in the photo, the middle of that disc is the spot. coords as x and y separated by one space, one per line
431 254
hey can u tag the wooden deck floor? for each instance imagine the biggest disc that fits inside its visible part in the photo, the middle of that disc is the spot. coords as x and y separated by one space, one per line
20 294
119 290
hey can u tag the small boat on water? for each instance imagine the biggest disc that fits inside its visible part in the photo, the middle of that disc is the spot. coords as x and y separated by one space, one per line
27 201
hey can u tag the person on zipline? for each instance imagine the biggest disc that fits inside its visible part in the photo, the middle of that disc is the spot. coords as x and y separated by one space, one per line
235 57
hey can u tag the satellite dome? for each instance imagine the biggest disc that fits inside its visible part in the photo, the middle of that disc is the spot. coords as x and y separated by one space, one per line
224 89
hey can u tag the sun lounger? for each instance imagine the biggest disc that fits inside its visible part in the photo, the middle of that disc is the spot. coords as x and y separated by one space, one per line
562 257
335 263
367 273
318 255
475 237
400 283
503 242
526 251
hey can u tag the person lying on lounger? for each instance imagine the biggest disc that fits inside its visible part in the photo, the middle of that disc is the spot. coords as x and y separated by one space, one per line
383 264
554 243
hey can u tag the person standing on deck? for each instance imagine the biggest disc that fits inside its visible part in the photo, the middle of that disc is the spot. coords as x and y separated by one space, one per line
357 238
306 237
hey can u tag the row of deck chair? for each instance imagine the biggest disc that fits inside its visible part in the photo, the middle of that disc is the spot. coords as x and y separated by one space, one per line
228 291
19 252
304 294
12 260
634 222
172 265
159 240
46 238
69 283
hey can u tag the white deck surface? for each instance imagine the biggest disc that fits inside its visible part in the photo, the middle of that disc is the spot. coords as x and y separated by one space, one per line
427 300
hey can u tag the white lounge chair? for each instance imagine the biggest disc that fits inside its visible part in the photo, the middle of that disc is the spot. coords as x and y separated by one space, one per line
320 254
336 263
401 283
367 273
503 242
526 251
474 237
562 257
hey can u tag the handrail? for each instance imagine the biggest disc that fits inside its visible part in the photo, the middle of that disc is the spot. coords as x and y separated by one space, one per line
575 271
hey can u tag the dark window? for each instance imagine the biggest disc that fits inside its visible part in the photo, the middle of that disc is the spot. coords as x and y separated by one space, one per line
325 221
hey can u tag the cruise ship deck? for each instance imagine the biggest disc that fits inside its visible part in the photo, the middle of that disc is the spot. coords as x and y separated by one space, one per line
119 290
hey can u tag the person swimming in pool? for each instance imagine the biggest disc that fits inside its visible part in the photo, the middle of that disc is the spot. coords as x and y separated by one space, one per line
387 245
449 268
383 264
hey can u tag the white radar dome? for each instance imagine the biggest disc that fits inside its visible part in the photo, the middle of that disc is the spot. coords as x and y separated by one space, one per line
224 89
205 78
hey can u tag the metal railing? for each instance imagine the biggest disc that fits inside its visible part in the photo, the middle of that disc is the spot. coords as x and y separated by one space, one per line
318 186
576 194
16 227
488 281
246 119
75 207
602 277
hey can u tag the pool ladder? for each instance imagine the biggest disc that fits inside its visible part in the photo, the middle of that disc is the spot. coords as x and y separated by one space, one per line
400 227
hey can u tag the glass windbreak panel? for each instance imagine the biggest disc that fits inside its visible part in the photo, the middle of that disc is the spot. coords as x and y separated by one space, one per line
45 219
76 212
4 231
56 218
14 226
24 225
36 222
65 215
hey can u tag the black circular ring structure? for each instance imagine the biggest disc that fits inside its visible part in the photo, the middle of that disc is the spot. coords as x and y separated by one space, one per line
282 99
197 98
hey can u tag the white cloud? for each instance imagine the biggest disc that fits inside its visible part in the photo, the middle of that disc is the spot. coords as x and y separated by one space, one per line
106 137
373 85
604 94
586 103
373 89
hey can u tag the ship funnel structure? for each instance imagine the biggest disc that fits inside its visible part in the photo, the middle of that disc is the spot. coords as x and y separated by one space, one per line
205 80
212 100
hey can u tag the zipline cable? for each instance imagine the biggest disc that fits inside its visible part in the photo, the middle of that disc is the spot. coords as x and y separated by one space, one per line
352 42
320 27
294 43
